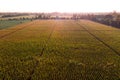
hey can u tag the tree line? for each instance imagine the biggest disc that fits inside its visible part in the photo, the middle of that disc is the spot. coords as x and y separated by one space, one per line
111 19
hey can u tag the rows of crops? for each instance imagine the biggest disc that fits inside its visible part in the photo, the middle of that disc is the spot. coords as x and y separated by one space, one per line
59 50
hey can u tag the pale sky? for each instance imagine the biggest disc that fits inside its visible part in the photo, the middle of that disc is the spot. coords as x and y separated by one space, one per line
59 5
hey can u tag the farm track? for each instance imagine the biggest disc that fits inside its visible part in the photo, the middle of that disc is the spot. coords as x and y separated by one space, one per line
15 30
47 40
43 49
97 38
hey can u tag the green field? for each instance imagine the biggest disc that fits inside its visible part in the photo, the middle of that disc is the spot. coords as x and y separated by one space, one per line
10 23
60 50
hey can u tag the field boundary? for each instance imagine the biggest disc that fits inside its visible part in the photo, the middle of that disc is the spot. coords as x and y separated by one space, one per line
97 38
12 32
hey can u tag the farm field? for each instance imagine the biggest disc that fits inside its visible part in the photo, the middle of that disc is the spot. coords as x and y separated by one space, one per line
60 50
10 23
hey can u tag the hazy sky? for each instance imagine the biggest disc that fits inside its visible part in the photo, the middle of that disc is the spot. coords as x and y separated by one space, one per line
59 5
